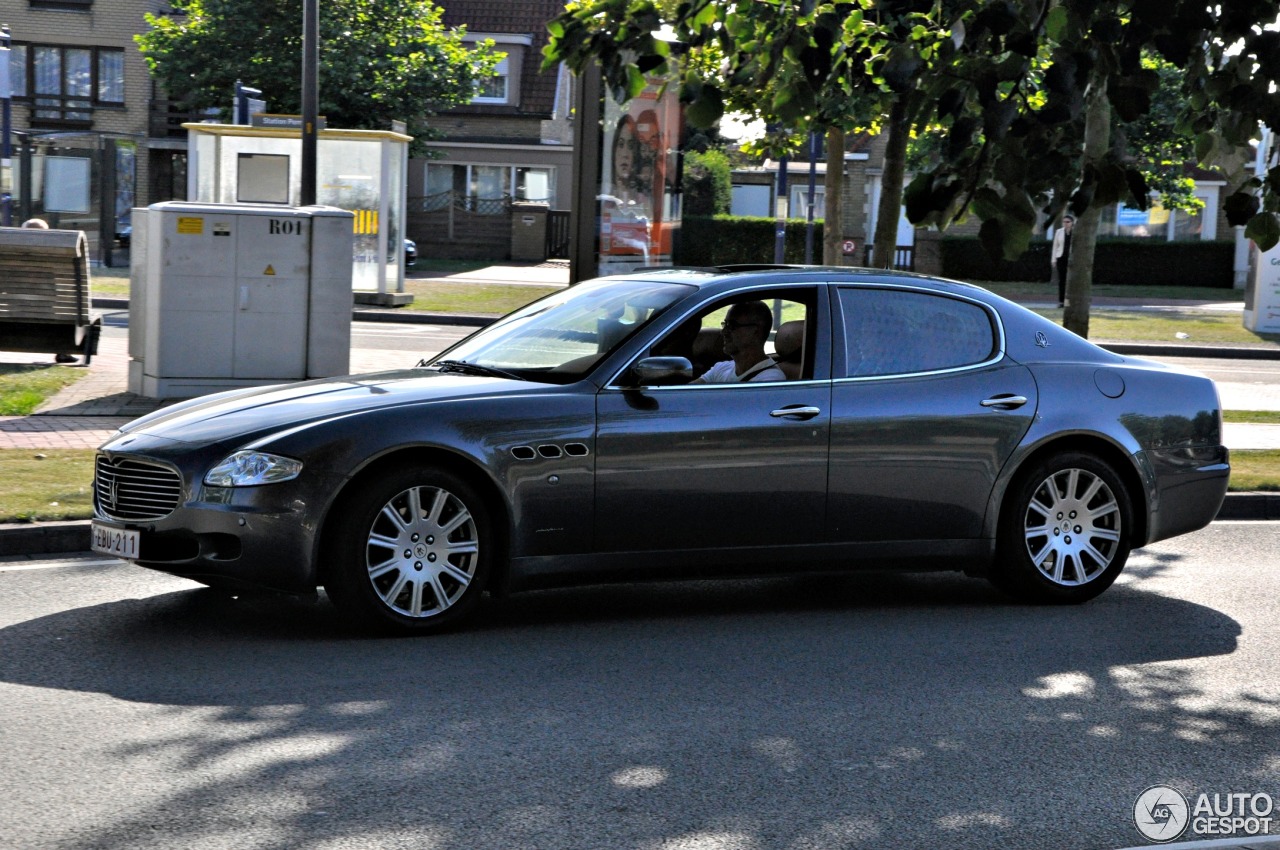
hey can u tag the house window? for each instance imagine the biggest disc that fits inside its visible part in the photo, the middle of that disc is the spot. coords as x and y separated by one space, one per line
504 88
110 76
18 70
1156 222
494 89
63 84
72 5
479 182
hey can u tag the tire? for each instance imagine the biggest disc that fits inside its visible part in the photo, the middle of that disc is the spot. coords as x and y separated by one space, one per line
1065 531
411 553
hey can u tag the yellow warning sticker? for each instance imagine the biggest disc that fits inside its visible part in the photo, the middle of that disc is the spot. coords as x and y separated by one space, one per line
190 225
270 270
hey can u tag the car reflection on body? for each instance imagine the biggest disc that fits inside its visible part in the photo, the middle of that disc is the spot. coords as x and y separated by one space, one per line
925 425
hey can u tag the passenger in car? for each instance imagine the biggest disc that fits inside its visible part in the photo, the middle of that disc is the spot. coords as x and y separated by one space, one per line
745 330
788 343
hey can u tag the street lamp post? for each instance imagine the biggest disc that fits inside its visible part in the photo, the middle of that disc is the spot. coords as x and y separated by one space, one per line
310 97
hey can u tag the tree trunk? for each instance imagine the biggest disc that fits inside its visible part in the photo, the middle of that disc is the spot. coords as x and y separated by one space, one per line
1084 236
895 168
833 209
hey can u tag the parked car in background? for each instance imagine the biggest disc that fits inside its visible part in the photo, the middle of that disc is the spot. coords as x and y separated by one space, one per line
925 425
410 253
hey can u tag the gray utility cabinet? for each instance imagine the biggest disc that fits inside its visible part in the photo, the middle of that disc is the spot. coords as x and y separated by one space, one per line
233 295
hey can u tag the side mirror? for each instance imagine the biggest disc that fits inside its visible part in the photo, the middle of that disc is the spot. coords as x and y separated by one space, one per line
661 371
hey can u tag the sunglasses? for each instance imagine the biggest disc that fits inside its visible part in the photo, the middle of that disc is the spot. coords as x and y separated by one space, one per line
733 326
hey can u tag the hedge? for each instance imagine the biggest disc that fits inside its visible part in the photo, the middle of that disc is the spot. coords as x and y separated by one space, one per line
724 239
1144 262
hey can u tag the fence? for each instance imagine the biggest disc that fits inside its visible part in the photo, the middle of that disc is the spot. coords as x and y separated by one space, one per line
904 257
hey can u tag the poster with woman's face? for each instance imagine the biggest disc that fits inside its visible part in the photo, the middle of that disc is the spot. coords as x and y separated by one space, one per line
637 199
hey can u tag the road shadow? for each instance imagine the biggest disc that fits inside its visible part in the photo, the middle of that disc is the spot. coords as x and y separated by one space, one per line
804 712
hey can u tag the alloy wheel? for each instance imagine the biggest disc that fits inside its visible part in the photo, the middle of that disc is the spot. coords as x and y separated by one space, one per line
1072 527
422 551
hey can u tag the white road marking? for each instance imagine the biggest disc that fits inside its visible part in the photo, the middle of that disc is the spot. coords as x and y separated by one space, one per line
17 566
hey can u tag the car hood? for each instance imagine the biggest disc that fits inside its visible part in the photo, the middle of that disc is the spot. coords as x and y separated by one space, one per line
262 410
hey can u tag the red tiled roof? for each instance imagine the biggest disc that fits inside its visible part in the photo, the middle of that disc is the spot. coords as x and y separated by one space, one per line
525 17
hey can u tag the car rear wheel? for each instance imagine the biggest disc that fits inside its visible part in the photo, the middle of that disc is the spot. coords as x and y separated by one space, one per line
1065 531
412 552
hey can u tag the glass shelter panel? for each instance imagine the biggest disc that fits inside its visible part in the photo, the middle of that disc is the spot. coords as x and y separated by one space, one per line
362 171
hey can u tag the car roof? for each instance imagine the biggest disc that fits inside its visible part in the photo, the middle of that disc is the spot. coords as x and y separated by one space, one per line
705 276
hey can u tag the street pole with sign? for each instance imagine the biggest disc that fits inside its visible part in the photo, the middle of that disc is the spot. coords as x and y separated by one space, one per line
6 163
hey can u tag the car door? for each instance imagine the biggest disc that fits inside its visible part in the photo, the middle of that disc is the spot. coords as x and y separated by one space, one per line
926 410
717 465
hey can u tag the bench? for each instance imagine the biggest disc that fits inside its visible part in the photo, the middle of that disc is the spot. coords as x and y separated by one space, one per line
44 293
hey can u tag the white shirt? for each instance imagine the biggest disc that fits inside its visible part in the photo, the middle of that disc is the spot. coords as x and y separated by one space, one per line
726 372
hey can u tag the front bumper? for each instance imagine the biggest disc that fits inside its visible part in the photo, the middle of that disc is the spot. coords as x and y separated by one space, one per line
262 537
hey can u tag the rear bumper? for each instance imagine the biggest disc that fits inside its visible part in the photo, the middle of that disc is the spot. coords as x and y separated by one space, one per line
1190 485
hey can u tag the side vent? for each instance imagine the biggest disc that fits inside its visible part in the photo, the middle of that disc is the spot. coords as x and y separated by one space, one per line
576 449
550 451
523 453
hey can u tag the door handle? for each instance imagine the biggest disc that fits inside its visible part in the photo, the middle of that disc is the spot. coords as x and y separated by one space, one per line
798 411
1004 401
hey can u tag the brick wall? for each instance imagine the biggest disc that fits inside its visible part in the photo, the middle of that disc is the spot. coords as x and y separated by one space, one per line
489 127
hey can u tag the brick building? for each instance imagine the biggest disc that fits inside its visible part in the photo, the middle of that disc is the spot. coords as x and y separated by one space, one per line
512 143
81 92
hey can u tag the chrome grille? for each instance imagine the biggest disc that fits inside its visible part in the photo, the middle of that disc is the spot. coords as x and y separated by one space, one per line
130 489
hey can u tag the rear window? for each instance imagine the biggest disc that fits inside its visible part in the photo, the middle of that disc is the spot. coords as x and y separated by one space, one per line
902 332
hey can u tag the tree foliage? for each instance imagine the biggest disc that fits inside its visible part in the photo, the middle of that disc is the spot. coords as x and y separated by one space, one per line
707 185
1024 91
379 60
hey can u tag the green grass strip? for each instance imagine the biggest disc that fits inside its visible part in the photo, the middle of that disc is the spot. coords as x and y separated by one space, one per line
23 387
46 484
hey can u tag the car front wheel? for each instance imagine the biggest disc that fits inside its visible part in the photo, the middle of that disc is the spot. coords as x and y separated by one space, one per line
412 552
1065 531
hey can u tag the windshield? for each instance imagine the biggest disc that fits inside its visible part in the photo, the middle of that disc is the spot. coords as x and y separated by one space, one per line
560 338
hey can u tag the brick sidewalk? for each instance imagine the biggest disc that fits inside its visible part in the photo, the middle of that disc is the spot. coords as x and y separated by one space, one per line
85 414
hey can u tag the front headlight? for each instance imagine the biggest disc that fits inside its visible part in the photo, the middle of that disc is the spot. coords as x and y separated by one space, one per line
248 469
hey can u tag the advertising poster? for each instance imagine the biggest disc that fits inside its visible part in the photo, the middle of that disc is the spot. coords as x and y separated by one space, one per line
1262 295
638 201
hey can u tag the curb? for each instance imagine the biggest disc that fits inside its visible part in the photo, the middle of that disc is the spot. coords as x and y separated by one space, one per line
363 314
51 538
1220 352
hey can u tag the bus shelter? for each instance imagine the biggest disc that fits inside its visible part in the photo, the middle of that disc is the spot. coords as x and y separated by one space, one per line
362 171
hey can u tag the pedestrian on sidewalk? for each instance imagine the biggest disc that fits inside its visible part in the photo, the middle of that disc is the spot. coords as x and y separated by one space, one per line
1061 254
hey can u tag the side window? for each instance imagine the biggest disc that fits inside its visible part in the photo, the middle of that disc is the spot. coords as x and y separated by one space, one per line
701 337
899 332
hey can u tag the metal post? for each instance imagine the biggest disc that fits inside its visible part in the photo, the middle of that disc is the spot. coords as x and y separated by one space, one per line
780 202
584 217
6 117
813 181
25 208
310 97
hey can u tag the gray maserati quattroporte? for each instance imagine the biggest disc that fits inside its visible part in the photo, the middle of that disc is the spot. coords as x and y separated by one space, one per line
901 422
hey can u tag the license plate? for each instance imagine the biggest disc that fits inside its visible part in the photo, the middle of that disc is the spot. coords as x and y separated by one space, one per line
120 542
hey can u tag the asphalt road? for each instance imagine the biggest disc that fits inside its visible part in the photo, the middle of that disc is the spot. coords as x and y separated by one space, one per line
871 711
